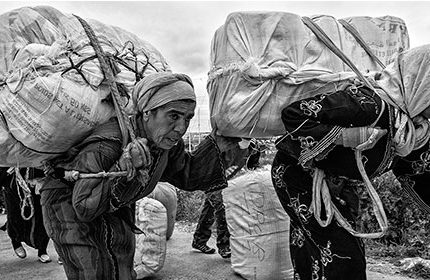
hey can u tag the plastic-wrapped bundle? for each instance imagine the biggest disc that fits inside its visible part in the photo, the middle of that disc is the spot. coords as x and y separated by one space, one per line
166 194
263 61
151 218
259 228
52 90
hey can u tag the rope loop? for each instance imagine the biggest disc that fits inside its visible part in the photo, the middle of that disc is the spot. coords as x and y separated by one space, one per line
106 64
26 200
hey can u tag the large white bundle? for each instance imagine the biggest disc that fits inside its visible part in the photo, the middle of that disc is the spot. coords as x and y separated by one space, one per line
151 218
259 228
46 106
167 195
263 61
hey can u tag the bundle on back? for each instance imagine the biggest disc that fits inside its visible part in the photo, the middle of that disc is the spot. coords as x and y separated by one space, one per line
263 61
52 90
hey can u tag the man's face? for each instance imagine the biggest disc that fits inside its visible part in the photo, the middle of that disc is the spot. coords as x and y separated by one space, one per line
166 125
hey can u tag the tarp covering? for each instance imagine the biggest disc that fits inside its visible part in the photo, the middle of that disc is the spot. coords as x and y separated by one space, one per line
263 61
52 90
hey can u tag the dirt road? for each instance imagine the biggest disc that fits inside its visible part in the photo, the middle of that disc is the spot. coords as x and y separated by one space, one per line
182 263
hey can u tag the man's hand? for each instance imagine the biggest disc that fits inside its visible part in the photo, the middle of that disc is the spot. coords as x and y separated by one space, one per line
136 155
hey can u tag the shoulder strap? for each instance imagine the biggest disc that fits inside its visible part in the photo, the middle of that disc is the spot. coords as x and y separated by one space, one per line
322 36
348 27
105 65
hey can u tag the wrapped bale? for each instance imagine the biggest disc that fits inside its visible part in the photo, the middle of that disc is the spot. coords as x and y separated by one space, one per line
259 228
167 195
263 61
52 90
151 218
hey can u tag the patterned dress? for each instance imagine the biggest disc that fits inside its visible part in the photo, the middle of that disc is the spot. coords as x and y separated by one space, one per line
312 126
91 221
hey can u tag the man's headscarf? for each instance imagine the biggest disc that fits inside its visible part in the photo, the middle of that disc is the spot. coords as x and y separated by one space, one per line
160 88
406 86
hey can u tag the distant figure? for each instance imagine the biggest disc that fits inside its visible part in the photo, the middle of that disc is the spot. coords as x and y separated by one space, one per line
213 209
253 160
24 215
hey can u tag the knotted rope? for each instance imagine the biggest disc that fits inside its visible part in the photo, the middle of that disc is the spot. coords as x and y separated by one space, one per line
26 200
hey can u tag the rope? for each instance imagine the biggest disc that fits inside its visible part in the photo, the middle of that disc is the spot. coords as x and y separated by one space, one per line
106 64
124 122
320 187
348 27
26 199
320 34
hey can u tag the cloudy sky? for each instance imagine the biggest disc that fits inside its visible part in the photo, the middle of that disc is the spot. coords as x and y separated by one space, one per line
182 30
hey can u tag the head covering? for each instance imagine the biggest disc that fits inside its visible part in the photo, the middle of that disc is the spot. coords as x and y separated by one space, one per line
160 88
406 86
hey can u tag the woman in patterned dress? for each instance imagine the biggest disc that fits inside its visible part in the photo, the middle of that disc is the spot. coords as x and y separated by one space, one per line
389 126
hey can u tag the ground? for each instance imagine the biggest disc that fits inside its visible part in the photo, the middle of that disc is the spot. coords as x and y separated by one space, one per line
182 263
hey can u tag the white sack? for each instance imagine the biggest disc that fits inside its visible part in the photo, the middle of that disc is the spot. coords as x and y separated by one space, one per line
259 228
167 195
44 108
151 218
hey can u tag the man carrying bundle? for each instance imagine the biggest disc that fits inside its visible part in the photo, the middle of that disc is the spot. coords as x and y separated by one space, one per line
91 220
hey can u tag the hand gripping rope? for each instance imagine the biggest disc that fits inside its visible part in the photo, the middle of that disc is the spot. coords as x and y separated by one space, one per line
124 123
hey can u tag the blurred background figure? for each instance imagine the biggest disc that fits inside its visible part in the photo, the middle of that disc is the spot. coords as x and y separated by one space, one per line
214 210
24 213
253 160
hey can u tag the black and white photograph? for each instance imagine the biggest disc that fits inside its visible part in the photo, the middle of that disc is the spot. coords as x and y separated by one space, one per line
214 140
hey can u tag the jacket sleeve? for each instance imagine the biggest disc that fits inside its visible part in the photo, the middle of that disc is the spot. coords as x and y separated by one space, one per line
95 196
203 169
200 170
91 197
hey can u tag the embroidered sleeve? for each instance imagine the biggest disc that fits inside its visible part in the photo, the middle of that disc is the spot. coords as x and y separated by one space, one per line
413 173
314 124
